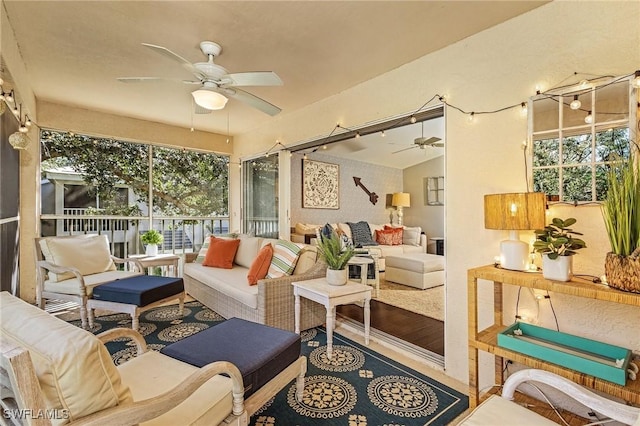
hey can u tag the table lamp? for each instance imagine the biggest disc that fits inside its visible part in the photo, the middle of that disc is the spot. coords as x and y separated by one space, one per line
400 200
514 212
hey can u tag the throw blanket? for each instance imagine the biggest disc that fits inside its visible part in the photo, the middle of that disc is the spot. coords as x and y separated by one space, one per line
361 234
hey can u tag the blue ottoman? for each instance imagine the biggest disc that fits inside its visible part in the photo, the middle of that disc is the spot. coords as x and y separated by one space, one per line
135 295
259 351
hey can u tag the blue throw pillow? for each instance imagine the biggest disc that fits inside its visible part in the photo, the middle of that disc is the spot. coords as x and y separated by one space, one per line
361 234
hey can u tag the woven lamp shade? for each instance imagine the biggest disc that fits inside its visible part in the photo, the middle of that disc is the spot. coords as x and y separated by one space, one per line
515 211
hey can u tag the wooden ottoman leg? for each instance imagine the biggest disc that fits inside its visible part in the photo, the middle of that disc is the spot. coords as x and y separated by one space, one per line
181 303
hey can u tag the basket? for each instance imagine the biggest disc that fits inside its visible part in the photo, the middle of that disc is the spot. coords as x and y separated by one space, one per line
623 272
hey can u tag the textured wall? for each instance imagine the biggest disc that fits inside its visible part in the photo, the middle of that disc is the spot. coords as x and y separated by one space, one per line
354 202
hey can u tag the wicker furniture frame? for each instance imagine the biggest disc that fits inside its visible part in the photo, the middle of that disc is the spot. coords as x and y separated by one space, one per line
275 300
486 339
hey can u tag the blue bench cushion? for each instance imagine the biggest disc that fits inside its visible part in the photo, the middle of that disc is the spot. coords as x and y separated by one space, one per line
139 290
260 352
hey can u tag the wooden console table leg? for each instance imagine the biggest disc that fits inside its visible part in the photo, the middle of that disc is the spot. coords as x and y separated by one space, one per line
497 319
472 301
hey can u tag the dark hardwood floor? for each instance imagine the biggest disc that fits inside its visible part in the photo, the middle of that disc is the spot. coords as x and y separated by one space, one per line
416 329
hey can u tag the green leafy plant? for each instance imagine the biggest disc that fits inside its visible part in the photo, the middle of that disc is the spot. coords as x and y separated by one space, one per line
556 239
152 237
621 207
331 250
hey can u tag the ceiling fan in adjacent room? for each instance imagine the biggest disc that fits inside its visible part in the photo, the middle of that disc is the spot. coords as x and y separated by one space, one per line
217 84
423 142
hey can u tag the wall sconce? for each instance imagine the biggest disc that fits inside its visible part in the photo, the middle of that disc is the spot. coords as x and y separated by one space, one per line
399 201
514 212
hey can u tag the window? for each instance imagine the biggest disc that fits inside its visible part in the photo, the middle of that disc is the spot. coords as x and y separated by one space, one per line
576 134
101 185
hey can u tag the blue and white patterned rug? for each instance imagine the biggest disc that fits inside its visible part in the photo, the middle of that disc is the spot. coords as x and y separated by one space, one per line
357 387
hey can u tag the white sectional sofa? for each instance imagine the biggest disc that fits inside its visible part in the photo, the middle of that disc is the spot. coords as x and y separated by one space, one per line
270 302
414 241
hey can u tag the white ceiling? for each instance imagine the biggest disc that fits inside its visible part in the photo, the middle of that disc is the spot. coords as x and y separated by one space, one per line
74 50
375 149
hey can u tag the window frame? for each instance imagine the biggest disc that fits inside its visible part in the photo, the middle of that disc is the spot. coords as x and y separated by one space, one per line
563 96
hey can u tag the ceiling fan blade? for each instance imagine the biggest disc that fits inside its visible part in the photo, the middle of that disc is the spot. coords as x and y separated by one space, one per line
405 149
252 100
257 78
432 140
438 144
174 56
147 79
200 110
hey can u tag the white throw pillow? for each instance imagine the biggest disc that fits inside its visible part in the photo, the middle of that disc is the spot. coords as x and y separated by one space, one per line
90 254
411 236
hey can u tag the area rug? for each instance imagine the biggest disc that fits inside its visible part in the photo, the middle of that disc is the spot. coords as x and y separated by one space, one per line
358 386
429 302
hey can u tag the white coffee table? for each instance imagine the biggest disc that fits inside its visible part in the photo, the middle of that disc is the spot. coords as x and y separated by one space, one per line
331 296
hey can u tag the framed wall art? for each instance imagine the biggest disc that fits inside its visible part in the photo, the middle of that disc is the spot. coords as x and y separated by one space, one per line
320 185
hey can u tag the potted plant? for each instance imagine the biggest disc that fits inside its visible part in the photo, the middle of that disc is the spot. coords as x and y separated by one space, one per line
332 251
152 238
621 212
557 244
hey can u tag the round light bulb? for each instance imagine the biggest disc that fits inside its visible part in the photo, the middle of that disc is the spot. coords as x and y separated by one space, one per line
589 118
413 119
357 135
9 97
23 129
575 103
382 134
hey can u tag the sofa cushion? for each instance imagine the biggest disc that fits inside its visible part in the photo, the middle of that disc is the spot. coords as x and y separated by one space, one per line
74 368
208 405
306 259
248 250
221 253
411 235
285 256
90 254
203 250
260 265
361 234
231 282
384 237
396 234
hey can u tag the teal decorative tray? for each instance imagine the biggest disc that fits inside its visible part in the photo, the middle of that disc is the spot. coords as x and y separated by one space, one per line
591 357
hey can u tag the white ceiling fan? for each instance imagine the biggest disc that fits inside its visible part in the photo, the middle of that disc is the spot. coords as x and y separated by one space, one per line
423 142
217 83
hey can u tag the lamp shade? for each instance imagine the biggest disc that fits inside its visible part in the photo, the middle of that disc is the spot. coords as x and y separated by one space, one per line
19 140
401 199
209 99
515 211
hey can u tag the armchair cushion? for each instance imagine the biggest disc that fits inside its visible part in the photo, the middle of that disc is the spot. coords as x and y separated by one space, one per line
90 254
73 285
78 376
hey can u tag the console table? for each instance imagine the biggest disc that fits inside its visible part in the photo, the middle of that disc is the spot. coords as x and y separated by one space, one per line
486 340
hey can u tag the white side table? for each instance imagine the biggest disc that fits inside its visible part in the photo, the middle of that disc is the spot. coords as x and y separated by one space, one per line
171 261
331 296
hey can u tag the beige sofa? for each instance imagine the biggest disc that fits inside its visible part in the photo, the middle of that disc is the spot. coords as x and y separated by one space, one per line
271 302
414 241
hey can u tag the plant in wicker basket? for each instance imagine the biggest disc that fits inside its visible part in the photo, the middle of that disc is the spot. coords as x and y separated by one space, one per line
621 212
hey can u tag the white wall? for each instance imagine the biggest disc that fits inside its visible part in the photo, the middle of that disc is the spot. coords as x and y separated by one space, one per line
498 67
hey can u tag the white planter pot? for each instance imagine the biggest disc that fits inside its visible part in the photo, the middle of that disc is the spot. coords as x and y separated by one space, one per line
337 277
151 250
559 269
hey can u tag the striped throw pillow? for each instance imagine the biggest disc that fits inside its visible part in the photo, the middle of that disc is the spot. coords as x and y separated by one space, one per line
203 250
285 257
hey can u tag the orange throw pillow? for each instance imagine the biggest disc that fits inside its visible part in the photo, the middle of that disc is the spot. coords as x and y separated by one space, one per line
260 265
385 237
396 234
221 253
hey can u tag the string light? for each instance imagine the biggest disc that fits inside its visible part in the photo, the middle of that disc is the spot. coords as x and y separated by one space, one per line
636 79
382 134
9 97
575 103
357 135
471 115
413 119
589 118
524 109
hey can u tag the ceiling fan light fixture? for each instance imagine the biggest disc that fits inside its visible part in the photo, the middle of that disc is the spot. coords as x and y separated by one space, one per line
209 99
